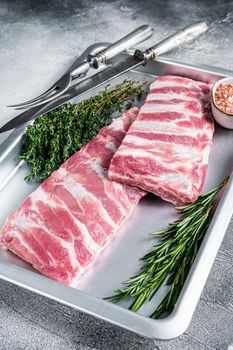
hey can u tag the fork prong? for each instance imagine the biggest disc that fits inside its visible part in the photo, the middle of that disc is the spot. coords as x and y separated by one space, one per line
54 94
51 96
35 100
55 91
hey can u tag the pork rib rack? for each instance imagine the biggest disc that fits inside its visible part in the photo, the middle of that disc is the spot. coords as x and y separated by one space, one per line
167 147
61 227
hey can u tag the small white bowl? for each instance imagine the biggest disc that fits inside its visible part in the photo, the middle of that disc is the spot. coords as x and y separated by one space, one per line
222 118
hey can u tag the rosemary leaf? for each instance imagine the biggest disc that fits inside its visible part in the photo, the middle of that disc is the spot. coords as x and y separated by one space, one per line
171 259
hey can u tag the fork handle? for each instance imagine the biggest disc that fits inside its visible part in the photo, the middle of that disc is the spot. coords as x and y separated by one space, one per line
135 37
183 36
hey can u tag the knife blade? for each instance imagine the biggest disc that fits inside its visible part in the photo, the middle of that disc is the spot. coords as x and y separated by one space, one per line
76 90
131 62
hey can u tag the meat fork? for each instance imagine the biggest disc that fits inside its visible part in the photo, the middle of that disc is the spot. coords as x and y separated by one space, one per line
92 61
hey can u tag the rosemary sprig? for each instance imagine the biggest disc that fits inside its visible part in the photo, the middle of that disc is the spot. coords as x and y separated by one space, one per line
171 259
55 136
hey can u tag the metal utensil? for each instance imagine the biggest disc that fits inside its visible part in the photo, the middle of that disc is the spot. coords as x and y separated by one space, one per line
116 69
92 61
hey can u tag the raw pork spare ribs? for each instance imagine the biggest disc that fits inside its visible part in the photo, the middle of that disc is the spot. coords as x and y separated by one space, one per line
167 147
62 226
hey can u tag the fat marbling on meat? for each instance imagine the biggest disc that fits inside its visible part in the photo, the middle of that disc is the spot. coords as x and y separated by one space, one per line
62 226
167 147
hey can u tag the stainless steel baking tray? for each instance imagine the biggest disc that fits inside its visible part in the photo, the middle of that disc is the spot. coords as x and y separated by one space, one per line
120 259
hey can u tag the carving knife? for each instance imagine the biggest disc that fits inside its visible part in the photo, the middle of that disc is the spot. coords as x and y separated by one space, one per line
131 62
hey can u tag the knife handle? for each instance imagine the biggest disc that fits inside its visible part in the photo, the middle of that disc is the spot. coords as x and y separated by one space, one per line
135 37
183 36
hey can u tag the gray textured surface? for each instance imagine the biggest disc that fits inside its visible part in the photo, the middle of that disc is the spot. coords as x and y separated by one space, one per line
38 41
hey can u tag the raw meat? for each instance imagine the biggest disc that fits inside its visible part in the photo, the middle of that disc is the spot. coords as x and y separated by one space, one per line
62 226
167 147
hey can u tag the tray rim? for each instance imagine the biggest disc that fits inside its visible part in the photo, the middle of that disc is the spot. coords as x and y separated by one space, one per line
163 329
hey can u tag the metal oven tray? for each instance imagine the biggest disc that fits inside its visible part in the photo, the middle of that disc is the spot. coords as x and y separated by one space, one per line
120 259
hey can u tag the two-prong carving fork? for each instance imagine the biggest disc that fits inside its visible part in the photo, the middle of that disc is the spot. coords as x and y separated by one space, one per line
140 34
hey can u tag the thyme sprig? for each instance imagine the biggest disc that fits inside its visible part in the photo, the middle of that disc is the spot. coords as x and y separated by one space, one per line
55 136
170 261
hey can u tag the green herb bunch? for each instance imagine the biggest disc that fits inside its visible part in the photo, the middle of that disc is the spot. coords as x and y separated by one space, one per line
55 136
170 261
